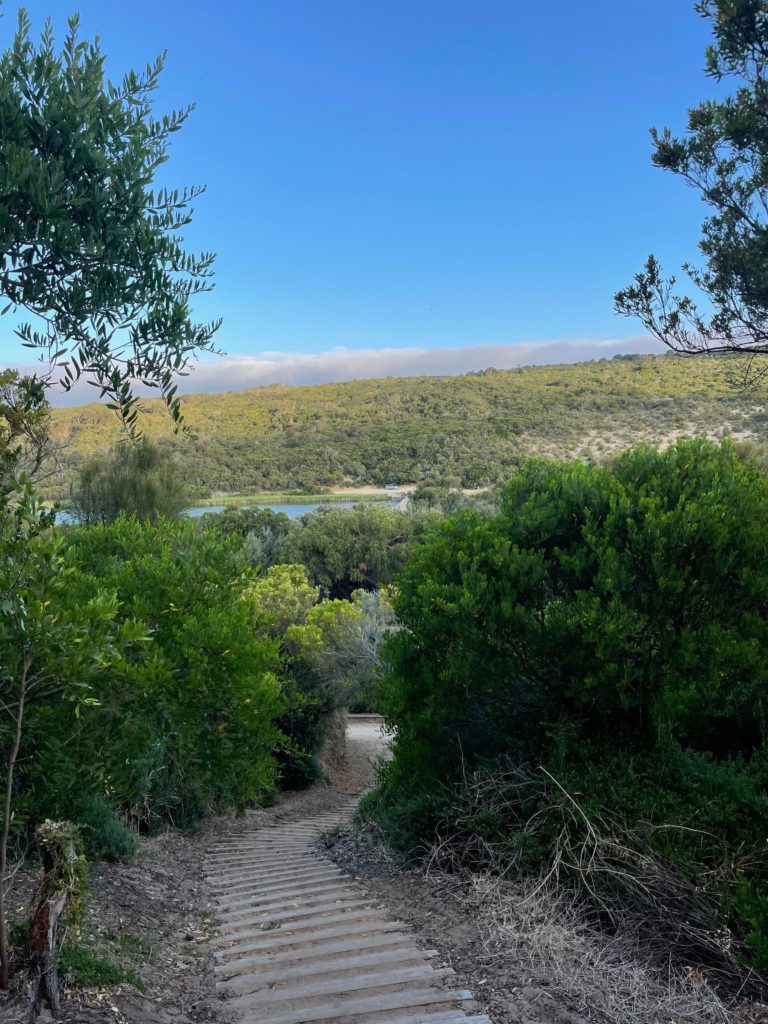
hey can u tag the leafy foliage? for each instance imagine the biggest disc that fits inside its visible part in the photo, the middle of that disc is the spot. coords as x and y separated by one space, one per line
609 626
344 550
104 834
321 659
191 723
186 716
24 427
90 251
56 648
723 156
133 479
52 650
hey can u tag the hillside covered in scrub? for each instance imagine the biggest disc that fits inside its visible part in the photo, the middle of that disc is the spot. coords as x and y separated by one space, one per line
468 431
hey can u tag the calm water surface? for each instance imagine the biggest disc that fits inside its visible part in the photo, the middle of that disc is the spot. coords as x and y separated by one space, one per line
291 510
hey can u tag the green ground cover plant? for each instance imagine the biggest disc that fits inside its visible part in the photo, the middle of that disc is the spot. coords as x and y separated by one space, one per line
81 967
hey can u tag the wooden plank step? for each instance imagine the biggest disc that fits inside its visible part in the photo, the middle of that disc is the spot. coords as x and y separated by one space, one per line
282 974
344 1008
334 914
313 868
258 886
307 937
240 874
426 1015
303 878
252 929
264 854
317 953
222 873
315 989
306 895
316 892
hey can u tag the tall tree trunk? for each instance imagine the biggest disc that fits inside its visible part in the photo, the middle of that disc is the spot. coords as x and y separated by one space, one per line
5 958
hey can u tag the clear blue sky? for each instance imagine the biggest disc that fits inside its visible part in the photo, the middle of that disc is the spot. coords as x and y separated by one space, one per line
428 173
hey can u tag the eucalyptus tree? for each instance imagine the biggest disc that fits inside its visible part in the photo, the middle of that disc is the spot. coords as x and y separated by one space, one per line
724 157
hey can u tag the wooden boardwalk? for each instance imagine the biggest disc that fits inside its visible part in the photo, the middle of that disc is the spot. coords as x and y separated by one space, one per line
299 942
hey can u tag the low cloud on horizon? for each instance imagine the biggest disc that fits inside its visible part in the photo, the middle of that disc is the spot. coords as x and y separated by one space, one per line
238 372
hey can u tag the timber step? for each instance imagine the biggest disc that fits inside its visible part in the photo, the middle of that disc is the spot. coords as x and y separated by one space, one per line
299 942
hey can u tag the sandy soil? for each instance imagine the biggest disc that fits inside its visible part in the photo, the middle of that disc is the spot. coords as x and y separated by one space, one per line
370 489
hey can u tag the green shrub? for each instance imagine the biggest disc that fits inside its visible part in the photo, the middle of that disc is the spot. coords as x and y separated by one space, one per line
139 479
324 663
186 719
192 722
344 550
608 630
751 907
104 835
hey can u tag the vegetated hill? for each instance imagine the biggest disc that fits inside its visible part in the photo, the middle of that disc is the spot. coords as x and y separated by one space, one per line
468 430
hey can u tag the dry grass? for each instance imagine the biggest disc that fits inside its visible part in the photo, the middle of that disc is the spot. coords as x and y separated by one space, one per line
535 950
607 920
606 977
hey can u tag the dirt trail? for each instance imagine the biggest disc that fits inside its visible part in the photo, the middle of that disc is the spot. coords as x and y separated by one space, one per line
300 942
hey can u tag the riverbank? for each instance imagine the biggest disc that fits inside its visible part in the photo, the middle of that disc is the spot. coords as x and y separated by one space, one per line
293 505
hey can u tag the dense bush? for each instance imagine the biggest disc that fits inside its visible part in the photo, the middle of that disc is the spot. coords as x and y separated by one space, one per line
59 640
329 653
173 677
186 719
350 549
261 531
140 479
203 727
607 630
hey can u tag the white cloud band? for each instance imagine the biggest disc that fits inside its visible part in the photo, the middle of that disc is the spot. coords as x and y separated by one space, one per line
235 372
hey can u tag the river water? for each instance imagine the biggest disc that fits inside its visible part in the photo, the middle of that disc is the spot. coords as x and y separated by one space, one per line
293 511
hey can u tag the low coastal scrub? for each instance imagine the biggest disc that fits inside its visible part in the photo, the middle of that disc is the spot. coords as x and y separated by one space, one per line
579 691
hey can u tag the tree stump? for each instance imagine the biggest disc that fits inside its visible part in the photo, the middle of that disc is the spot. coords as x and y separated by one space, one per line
59 888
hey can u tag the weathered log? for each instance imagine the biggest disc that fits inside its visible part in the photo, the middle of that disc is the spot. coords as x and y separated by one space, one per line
59 888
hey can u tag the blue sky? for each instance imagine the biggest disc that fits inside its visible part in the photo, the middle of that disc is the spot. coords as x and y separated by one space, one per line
412 177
